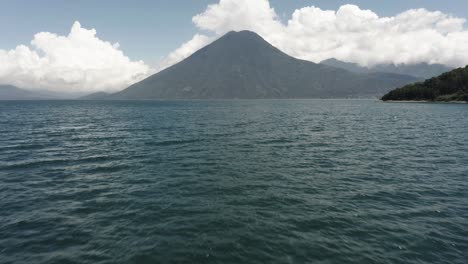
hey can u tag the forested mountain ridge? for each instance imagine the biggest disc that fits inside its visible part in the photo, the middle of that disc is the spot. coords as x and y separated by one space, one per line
450 86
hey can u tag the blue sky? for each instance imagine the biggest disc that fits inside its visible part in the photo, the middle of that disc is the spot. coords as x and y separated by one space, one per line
149 30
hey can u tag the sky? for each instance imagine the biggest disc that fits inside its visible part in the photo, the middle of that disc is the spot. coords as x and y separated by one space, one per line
106 45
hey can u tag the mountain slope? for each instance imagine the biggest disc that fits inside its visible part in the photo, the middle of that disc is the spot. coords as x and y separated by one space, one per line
450 86
243 65
420 70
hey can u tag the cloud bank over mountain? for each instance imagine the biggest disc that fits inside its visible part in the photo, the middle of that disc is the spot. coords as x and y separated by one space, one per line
79 62
349 33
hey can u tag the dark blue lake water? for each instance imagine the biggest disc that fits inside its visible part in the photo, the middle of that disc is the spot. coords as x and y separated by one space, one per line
291 181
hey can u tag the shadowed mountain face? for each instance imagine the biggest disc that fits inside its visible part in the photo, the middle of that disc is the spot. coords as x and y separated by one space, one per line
243 65
420 70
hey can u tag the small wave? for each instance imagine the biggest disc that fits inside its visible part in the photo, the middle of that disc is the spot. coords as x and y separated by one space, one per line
31 164
35 164
172 142
24 147
108 168
96 159
276 141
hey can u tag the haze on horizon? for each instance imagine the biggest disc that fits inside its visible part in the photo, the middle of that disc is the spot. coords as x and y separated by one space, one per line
83 61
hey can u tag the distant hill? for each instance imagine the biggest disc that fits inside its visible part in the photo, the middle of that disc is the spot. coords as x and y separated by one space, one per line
243 65
349 66
450 86
9 92
95 96
420 70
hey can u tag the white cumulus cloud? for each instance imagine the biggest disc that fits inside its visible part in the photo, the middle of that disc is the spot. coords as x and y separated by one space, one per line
184 51
349 33
79 62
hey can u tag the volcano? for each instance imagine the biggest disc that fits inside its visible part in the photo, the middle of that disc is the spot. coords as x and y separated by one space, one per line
242 65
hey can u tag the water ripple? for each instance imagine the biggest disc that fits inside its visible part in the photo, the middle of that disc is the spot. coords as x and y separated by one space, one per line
288 181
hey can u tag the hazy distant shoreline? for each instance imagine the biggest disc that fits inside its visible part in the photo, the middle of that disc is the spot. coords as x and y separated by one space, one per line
425 101
230 99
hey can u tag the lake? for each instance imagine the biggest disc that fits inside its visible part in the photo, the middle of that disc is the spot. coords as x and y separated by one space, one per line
261 181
